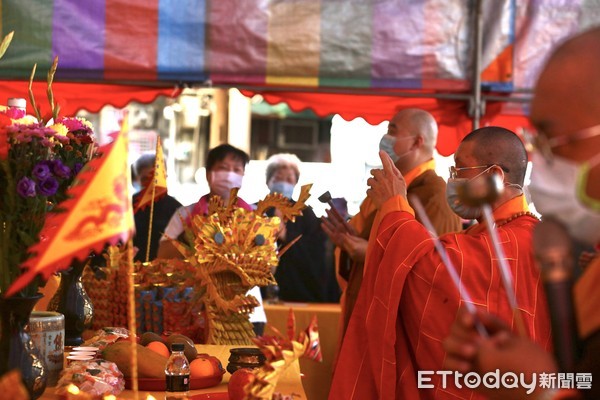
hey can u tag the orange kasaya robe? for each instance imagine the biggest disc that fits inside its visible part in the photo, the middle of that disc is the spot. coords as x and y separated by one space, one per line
421 182
587 300
408 301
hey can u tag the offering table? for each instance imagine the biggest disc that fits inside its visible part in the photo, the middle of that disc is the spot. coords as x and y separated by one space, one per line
288 383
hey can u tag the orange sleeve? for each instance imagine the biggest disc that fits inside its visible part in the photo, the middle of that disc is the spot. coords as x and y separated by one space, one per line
396 203
587 300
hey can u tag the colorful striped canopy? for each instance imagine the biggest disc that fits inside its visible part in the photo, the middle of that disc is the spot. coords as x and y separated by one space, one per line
375 44
350 57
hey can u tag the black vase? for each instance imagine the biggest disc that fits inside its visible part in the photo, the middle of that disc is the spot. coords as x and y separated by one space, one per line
16 348
73 302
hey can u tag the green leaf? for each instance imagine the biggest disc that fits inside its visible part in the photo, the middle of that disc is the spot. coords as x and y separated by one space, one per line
5 43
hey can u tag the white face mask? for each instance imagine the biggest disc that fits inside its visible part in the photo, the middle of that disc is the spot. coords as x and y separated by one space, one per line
553 192
222 182
387 144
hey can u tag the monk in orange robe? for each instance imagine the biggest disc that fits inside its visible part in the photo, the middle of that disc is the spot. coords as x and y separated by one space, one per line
569 133
408 302
410 141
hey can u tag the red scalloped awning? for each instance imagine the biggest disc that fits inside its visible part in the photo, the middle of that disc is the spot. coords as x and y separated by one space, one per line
73 96
451 115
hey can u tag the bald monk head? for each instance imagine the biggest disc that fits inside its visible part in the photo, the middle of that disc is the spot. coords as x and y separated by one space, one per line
493 150
415 132
566 105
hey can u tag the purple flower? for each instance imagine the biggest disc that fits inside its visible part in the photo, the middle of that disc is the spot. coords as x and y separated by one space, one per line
26 187
41 171
76 168
48 187
60 169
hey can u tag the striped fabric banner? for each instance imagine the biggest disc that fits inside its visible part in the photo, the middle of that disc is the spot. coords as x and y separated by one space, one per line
32 22
237 41
79 42
131 31
181 39
397 44
346 21
294 41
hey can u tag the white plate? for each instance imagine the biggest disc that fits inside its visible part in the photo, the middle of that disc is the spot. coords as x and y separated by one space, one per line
82 353
85 348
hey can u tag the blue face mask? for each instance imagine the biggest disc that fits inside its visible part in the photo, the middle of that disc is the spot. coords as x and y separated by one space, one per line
285 188
387 144
136 187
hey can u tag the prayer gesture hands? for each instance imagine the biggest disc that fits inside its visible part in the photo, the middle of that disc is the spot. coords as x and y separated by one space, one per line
344 236
386 182
467 351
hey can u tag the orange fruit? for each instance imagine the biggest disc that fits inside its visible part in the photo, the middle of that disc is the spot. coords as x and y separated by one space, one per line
159 348
202 367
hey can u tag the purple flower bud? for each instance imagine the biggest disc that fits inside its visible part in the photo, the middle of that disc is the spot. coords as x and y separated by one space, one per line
48 187
76 168
41 171
60 169
26 187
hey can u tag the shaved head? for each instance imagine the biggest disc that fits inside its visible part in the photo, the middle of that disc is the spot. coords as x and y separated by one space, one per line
565 101
419 123
500 146
565 96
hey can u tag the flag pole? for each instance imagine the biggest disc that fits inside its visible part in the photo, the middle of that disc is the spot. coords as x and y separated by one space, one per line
131 322
151 221
154 183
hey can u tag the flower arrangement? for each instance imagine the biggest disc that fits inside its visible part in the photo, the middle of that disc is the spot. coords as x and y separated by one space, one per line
38 163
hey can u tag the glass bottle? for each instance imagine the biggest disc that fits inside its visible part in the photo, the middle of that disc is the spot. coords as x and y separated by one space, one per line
177 373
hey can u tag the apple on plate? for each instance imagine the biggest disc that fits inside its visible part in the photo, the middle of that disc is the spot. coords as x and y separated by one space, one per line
239 379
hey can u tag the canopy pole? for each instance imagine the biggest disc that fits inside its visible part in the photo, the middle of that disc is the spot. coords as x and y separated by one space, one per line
476 106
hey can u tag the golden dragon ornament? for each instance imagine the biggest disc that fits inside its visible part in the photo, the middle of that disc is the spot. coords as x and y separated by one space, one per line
230 251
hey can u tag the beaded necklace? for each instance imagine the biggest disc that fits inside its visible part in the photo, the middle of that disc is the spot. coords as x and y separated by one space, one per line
515 216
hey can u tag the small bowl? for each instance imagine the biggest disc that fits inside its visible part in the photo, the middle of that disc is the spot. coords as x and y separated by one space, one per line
245 357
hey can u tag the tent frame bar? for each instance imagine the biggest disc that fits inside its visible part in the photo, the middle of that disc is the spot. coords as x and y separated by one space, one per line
525 98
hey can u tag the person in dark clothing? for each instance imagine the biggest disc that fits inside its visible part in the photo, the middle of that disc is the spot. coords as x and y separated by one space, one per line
163 210
302 273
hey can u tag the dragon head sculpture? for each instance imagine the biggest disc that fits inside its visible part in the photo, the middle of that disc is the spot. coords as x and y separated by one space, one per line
232 250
